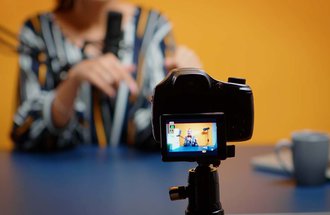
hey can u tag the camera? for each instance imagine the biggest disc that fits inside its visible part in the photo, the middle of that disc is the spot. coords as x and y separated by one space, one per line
187 101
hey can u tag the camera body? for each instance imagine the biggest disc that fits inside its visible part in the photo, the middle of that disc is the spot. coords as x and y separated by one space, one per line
192 92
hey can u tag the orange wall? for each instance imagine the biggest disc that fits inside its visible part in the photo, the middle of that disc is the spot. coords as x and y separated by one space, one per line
281 48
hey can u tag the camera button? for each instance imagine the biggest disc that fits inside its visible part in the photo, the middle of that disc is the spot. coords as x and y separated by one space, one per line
236 80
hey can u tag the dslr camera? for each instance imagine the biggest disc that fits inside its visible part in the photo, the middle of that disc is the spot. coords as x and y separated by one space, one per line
194 115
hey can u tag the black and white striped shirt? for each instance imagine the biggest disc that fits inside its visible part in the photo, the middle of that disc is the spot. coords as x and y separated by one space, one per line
44 63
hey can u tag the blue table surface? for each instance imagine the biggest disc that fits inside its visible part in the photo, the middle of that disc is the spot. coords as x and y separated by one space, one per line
120 181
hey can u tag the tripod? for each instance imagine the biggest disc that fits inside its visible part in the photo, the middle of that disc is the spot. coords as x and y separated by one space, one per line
202 191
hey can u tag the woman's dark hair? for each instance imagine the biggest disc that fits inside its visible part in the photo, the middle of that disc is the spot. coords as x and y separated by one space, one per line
64 5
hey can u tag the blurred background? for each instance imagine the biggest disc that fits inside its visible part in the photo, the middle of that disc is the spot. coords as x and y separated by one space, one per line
282 48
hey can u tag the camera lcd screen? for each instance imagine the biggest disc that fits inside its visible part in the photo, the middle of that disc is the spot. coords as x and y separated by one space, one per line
193 137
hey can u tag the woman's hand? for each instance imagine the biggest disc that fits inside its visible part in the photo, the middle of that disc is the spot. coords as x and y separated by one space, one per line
183 57
105 73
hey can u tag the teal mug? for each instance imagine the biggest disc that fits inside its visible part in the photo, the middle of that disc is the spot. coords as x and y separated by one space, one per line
310 156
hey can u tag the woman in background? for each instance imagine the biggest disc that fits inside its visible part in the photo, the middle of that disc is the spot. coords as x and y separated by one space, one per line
70 92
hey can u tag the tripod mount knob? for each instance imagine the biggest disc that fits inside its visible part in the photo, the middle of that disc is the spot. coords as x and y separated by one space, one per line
177 193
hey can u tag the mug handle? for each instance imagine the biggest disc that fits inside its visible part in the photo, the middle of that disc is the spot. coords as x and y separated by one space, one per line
280 145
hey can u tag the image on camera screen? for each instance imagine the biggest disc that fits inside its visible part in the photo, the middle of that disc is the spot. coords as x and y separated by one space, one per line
191 138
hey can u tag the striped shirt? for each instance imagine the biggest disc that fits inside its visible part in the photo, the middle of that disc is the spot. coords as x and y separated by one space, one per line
44 61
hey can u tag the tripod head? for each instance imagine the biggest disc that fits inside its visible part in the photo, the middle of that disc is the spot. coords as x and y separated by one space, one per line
202 191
